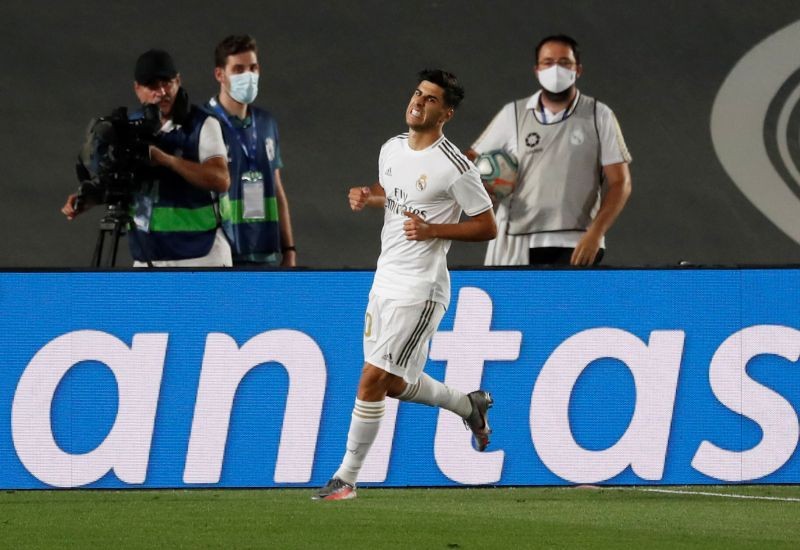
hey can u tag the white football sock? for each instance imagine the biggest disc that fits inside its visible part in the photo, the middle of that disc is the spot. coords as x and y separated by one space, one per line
430 391
364 425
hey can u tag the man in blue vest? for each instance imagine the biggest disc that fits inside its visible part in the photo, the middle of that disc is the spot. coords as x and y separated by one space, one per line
255 211
176 220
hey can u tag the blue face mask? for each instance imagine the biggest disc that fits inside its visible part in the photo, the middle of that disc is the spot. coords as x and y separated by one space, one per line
244 87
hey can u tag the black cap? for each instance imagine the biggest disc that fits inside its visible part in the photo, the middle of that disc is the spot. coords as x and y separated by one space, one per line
154 65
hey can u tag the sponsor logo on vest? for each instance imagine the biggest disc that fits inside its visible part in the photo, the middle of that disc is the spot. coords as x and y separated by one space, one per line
269 145
532 139
757 110
577 137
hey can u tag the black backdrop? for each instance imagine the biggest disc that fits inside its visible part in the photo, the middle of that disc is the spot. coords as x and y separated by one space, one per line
338 74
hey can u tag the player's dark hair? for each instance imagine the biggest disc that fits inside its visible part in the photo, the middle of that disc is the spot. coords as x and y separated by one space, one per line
453 91
232 45
561 39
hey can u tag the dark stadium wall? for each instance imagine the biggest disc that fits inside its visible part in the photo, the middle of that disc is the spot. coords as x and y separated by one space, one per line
338 74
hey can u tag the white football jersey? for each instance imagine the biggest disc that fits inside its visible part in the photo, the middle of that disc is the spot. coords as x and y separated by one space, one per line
437 184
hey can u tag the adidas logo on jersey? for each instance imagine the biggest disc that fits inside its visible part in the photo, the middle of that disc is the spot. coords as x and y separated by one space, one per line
388 172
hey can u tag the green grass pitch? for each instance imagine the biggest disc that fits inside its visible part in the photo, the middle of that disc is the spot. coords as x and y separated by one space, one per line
478 518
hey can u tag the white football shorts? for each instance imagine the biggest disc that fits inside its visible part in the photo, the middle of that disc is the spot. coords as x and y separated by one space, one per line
397 334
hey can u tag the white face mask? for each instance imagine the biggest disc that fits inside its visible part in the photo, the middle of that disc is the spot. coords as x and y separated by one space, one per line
244 87
556 79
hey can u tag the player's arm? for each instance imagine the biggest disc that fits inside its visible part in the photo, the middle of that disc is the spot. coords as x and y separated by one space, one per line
481 227
470 195
360 197
618 179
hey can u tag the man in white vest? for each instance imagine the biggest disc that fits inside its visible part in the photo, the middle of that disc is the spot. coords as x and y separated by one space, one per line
573 178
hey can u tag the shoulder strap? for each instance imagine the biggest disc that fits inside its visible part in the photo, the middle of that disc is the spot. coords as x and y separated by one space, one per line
516 119
599 143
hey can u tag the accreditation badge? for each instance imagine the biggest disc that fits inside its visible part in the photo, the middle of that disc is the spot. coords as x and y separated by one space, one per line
143 209
253 196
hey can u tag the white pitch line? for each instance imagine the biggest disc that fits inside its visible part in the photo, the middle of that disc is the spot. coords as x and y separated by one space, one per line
722 495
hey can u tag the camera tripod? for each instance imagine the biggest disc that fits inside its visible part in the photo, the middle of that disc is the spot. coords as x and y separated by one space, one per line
115 224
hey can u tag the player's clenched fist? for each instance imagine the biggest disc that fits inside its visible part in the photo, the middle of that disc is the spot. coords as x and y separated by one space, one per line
358 198
415 228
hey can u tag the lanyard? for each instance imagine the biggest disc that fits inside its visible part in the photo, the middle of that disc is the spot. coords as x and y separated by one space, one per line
247 137
566 114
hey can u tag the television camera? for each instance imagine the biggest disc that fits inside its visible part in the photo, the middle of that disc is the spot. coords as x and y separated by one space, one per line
112 166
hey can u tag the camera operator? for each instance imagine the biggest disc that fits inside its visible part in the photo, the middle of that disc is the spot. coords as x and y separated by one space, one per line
175 213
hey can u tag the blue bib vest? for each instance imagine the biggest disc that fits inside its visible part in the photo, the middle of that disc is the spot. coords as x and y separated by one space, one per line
251 236
174 220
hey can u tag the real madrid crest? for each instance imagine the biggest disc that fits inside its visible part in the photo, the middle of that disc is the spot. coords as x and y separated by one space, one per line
422 182
269 145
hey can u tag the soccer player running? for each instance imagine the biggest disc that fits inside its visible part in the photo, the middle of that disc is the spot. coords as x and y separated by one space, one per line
424 185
